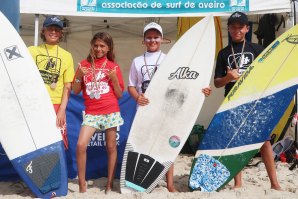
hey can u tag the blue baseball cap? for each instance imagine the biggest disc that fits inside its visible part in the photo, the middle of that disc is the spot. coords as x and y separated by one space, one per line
53 20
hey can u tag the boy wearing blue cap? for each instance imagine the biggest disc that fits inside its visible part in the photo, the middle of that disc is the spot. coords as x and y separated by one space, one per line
56 68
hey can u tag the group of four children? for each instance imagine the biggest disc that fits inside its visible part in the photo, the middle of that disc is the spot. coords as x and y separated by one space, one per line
100 80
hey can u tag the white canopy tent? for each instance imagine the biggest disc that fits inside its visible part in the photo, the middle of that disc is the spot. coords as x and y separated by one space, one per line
126 28
93 8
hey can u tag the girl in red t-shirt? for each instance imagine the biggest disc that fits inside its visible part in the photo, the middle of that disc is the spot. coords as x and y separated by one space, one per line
100 79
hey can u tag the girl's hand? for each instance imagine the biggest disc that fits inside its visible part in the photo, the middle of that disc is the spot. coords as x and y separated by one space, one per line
81 72
113 75
207 91
115 82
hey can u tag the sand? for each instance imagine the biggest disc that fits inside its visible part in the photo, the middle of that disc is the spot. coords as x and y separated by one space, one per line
256 184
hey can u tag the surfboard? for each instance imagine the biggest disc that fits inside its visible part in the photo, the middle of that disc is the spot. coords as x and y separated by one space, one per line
28 131
282 126
160 129
247 115
211 105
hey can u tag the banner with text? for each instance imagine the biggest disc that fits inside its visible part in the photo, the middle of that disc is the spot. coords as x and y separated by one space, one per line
162 6
152 8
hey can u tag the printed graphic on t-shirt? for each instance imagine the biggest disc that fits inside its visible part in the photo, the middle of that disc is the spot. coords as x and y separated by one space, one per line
49 68
96 84
147 72
243 61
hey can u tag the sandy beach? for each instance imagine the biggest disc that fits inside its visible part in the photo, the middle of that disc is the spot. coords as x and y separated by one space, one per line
255 185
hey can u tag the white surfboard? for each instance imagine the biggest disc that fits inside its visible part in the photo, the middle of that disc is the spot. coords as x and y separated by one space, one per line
28 131
160 129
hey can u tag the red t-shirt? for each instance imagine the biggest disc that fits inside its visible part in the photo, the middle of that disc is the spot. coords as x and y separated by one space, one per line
98 91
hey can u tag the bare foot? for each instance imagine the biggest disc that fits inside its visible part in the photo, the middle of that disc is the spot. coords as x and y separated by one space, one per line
276 187
108 191
109 188
237 186
83 187
172 189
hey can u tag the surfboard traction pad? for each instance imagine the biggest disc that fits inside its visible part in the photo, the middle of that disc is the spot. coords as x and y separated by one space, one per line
140 172
42 167
46 174
208 174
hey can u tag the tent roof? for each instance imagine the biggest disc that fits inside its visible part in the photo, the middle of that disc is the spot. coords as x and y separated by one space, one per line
129 23
77 24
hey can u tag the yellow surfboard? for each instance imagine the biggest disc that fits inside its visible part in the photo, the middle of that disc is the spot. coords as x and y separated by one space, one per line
248 114
280 130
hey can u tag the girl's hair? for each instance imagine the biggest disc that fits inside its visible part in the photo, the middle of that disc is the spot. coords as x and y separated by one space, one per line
44 38
105 37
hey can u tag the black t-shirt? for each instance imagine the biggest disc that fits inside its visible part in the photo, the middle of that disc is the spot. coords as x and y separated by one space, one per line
225 58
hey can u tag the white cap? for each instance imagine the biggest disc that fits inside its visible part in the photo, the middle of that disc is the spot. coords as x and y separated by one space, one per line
153 25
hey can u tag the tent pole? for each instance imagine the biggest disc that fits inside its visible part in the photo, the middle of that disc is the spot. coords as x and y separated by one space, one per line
296 96
36 29
294 11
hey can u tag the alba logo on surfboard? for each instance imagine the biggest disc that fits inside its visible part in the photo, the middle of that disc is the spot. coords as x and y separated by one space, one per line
184 73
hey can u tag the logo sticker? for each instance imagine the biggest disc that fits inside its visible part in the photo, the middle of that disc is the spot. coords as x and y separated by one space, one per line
183 73
29 168
12 52
174 141
293 39
87 5
269 51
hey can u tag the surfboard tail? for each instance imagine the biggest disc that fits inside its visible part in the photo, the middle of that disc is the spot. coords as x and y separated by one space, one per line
44 171
231 149
140 172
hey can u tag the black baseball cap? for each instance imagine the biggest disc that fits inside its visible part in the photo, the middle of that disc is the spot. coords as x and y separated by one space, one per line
53 20
239 17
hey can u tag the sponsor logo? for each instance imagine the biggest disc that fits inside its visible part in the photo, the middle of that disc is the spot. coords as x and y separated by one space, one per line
56 19
99 139
174 141
53 194
237 3
236 15
242 60
269 51
88 2
183 73
12 52
240 81
29 168
293 39
88 5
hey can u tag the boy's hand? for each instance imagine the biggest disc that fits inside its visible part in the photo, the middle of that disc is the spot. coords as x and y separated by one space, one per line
233 74
142 100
